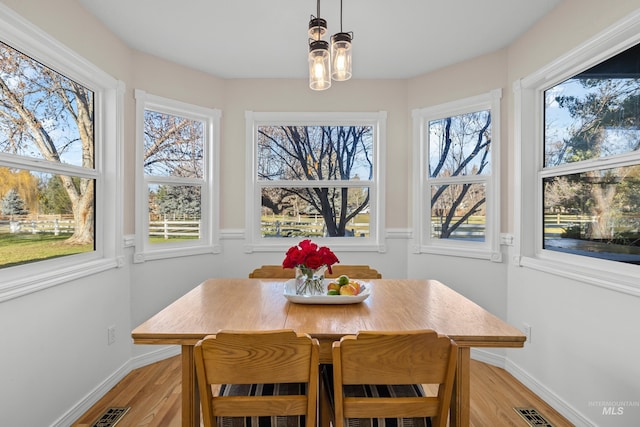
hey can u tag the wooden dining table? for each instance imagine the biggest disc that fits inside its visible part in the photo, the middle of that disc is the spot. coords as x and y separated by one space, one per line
260 304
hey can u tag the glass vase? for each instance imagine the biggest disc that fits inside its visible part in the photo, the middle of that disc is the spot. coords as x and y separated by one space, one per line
310 281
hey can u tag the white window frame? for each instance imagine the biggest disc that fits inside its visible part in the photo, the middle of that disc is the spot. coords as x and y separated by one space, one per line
528 147
209 215
378 120
108 127
422 240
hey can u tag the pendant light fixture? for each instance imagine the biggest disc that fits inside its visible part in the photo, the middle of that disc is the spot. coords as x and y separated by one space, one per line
317 26
319 57
341 53
319 65
321 60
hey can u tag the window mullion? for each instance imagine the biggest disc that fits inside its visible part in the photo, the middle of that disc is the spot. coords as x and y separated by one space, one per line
314 184
41 165
628 159
459 179
173 180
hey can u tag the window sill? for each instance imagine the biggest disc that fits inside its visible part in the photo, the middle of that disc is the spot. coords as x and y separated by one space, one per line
342 247
34 283
140 257
459 251
605 278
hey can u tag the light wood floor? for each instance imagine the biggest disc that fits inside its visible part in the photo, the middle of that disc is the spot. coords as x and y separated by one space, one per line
153 393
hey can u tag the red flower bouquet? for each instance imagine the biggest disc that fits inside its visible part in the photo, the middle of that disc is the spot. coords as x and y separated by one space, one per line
310 261
309 255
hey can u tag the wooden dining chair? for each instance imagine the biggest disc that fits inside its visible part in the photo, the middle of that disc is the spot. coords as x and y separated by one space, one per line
353 271
380 375
264 378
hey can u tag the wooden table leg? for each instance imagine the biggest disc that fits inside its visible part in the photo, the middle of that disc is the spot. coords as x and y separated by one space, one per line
190 396
460 407
325 411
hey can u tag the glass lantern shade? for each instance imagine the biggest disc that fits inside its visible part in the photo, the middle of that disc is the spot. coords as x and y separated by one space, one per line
319 65
341 56
317 28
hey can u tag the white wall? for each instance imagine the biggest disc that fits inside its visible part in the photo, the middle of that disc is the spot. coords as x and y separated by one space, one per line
585 343
584 346
56 339
54 350
54 356
481 280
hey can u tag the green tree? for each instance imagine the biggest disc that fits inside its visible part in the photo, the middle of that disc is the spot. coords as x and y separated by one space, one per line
182 201
53 197
12 204
606 104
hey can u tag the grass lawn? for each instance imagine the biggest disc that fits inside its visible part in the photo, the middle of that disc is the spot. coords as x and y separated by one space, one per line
21 248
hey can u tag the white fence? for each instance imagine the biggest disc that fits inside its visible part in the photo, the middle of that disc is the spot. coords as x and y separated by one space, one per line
34 226
181 229
463 231
166 229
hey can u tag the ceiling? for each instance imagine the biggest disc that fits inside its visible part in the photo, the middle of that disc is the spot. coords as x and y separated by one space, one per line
393 39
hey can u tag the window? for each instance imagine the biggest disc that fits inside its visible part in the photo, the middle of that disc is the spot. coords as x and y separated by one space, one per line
315 175
177 155
58 160
593 208
456 151
578 139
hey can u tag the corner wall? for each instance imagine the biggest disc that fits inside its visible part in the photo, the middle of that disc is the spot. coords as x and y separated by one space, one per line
584 349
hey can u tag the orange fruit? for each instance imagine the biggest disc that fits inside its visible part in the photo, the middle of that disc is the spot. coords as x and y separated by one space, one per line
355 285
333 286
348 290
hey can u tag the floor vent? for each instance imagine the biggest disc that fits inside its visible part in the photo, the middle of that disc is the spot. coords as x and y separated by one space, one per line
110 417
533 417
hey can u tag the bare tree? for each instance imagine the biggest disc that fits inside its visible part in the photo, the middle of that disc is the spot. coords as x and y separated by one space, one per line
316 153
173 145
32 97
463 149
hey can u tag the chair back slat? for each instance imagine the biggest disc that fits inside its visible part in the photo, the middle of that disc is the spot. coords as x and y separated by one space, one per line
234 406
391 407
396 359
257 358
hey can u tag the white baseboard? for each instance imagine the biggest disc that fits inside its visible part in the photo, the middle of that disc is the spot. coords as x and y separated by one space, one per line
557 403
90 399
488 357
97 393
162 353
564 408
